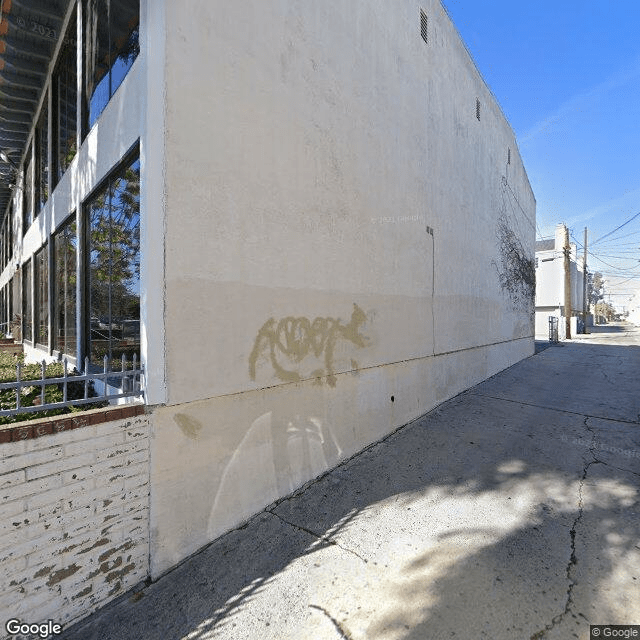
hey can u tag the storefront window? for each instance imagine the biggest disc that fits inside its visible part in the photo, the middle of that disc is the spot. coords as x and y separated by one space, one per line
41 279
65 99
27 308
42 158
111 46
66 249
113 223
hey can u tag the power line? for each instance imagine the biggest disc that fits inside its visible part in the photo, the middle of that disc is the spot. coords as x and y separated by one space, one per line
627 235
613 266
619 257
606 235
617 284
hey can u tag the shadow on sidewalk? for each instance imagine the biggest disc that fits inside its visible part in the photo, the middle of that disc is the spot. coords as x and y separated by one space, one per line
535 481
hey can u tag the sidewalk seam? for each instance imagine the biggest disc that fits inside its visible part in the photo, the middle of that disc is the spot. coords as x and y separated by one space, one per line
319 537
538 406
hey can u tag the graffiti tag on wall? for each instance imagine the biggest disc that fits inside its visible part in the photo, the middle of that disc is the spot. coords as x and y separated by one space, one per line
289 341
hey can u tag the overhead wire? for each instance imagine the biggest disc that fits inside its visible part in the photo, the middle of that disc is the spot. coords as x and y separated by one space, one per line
613 266
626 235
606 235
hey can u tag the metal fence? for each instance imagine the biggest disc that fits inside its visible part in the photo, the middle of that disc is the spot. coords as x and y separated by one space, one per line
126 383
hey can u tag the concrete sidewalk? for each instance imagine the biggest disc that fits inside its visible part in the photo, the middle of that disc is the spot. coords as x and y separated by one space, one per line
509 512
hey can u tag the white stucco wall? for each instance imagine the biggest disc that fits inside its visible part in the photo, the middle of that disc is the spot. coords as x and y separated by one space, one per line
337 221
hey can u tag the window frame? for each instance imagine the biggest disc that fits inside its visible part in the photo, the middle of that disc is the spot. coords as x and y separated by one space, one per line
54 307
27 299
56 170
86 125
40 264
28 194
42 172
84 238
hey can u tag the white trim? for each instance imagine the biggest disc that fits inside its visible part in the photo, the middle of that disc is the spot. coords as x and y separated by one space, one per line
153 201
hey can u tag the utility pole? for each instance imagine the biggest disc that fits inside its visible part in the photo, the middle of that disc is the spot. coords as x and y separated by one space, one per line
567 283
585 305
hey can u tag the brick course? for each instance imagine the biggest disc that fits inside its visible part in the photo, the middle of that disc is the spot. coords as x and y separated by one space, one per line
39 427
74 512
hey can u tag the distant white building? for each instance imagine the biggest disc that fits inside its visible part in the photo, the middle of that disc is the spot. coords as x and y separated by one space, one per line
550 284
634 308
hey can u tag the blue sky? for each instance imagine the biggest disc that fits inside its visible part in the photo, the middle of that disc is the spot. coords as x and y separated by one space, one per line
567 76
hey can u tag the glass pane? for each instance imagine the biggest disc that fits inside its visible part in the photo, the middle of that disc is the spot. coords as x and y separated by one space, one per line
28 191
67 91
42 150
3 245
114 269
125 18
41 275
99 225
97 58
27 309
15 307
3 310
66 248
125 273
10 219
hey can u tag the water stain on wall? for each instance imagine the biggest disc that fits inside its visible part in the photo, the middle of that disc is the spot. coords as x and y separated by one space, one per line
190 427
290 340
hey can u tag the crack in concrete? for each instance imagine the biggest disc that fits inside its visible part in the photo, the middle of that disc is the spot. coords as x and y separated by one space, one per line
320 537
597 460
539 406
344 633
607 464
573 560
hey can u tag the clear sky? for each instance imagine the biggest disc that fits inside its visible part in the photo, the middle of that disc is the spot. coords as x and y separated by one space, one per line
567 76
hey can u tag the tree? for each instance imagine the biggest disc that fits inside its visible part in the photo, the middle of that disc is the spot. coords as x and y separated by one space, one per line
114 232
596 288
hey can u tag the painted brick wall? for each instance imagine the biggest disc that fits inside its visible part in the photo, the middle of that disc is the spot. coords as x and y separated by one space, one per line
74 520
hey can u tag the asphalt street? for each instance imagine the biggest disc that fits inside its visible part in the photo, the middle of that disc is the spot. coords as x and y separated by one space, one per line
510 512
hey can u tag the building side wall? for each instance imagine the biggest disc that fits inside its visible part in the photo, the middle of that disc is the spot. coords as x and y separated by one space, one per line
339 225
74 531
219 461
550 280
550 283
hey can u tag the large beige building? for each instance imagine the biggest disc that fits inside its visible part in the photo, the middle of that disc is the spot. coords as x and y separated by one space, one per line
310 220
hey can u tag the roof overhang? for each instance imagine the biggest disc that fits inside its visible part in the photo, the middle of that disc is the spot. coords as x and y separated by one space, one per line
29 32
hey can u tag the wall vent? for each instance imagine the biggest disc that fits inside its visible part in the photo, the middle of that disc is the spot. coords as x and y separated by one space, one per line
477 108
509 155
424 26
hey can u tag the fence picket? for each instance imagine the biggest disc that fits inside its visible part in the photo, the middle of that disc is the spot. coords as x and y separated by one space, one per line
44 370
64 384
18 385
131 385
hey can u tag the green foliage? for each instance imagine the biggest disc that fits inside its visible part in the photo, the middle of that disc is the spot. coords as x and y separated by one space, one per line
596 288
31 395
